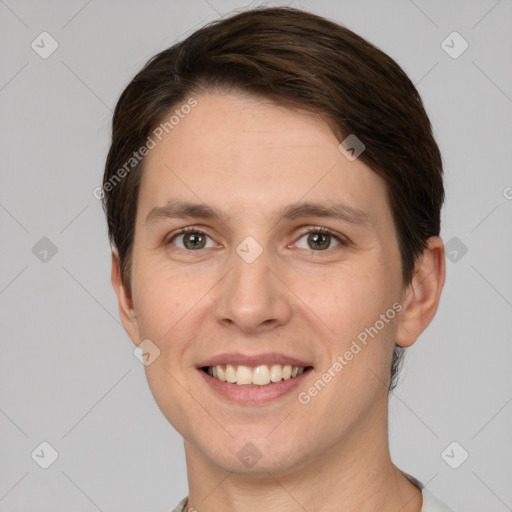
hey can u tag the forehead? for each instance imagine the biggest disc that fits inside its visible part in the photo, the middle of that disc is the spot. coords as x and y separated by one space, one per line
238 152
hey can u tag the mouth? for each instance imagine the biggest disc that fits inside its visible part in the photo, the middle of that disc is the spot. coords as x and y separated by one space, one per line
260 375
253 380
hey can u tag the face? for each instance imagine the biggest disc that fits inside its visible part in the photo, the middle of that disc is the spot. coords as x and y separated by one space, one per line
266 277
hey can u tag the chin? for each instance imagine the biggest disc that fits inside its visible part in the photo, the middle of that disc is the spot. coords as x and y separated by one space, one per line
255 454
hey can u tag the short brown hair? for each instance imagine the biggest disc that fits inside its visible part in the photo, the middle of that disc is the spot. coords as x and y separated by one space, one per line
294 58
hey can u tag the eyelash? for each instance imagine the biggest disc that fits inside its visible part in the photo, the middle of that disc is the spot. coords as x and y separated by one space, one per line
343 241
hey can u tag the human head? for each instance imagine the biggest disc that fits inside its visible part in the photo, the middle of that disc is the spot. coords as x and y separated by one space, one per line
295 59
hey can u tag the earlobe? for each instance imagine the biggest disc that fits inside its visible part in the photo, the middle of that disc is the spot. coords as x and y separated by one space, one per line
421 299
127 311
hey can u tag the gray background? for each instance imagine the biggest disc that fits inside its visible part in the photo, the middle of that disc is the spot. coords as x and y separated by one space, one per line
68 373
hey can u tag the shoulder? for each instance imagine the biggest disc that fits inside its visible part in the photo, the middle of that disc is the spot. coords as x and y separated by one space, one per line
432 504
180 507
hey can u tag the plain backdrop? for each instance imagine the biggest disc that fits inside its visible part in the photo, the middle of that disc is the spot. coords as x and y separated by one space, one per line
68 374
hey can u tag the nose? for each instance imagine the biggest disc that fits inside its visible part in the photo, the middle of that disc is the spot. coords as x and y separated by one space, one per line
253 296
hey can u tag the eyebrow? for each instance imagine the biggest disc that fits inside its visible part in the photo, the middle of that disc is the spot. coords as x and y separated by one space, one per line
336 211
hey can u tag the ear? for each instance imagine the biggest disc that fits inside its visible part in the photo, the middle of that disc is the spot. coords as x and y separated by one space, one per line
125 302
421 298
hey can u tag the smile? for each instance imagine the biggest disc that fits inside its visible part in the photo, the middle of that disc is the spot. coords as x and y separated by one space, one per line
253 379
260 375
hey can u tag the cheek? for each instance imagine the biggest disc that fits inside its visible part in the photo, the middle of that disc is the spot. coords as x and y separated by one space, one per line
161 297
172 396
351 306
349 300
171 306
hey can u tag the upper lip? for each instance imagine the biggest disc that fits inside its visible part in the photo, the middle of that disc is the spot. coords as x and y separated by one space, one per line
268 358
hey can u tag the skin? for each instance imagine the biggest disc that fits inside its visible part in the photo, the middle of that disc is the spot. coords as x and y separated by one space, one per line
249 157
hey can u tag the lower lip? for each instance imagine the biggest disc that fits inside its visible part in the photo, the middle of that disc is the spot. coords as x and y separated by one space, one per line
253 395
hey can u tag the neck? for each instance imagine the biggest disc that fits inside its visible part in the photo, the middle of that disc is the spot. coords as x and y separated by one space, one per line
356 473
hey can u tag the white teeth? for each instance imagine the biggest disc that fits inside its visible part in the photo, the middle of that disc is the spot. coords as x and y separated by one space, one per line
243 375
276 373
221 374
260 375
230 374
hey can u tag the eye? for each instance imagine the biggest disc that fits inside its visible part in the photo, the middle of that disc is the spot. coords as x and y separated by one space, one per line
320 239
192 239
316 238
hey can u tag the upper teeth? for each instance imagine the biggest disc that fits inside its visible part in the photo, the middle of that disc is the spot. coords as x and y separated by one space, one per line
259 375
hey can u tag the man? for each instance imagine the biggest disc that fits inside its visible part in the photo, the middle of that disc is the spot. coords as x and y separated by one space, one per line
273 194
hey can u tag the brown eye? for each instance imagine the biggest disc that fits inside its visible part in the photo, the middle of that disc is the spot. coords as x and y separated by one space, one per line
191 240
194 241
319 239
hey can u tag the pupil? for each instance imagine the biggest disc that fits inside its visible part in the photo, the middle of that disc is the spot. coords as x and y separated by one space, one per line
195 240
319 240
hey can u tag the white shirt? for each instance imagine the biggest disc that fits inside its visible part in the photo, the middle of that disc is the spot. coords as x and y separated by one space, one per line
432 504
